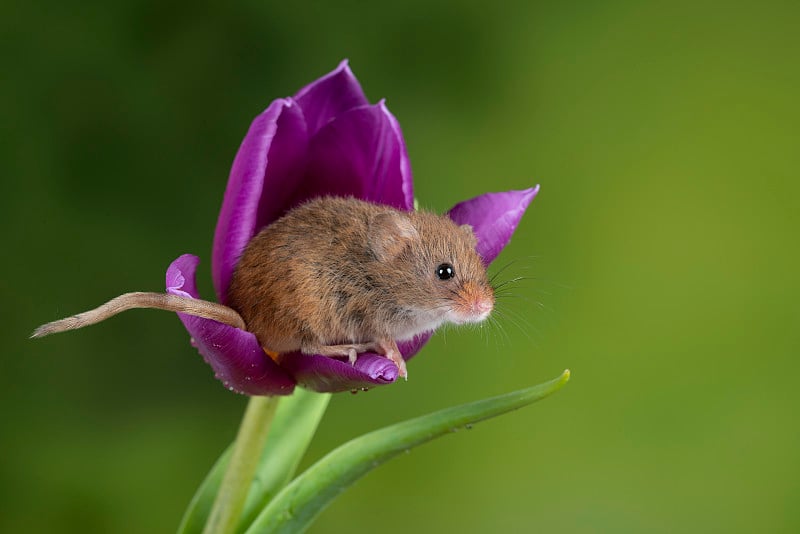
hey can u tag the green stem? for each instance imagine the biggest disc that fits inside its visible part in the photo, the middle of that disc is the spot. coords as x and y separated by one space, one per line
228 505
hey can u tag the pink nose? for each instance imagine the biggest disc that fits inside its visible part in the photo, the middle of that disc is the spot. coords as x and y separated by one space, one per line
482 306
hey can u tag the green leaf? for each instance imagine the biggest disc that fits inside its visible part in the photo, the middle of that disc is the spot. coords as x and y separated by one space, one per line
291 431
195 516
295 507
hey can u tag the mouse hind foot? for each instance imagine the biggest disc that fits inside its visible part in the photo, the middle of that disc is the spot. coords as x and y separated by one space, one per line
350 350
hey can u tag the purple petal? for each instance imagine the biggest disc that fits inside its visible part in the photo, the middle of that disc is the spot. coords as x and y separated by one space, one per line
235 355
265 174
330 96
410 348
331 375
360 153
494 217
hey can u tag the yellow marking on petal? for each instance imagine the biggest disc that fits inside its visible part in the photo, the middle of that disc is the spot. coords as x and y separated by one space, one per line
271 354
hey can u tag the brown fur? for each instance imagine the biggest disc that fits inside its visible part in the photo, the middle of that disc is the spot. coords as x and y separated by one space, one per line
340 271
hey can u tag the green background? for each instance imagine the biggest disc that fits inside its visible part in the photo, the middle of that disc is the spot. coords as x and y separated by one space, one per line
662 254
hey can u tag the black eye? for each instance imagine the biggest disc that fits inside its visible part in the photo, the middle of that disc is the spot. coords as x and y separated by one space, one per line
445 271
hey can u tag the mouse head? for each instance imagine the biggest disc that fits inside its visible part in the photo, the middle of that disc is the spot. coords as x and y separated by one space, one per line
434 269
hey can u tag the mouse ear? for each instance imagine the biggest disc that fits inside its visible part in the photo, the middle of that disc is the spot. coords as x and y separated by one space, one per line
470 232
389 233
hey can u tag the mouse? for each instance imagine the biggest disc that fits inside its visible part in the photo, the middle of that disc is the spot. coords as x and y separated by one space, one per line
339 276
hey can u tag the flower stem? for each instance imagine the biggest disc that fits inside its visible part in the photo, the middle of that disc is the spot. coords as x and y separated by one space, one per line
252 436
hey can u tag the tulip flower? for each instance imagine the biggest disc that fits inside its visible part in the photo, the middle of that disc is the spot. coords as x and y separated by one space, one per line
325 140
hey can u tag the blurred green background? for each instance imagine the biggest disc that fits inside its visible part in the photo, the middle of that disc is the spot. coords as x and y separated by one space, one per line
663 251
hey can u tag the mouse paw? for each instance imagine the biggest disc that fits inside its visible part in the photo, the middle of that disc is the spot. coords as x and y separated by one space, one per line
351 351
390 350
398 360
387 348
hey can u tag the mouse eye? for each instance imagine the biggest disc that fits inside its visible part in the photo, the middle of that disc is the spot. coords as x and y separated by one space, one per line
445 271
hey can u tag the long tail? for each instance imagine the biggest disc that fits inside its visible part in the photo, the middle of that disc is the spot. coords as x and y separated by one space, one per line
160 301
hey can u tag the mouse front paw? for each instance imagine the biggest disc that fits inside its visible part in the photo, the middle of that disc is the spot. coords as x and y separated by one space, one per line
398 360
390 350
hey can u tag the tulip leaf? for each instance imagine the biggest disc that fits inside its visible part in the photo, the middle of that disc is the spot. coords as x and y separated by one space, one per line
292 428
294 508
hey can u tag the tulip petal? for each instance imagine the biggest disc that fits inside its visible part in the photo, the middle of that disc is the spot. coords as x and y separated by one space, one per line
265 173
360 153
493 217
235 355
332 375
330 96
410 348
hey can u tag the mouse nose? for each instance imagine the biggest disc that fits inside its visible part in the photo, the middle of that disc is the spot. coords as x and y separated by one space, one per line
478 303
482 305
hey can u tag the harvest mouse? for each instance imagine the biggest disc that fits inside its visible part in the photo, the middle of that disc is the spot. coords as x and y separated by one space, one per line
336 277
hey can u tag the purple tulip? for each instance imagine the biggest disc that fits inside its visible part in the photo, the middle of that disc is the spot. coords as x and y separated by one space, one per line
326 140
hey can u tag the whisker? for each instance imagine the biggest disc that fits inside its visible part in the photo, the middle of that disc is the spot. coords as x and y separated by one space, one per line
512 281
521 323
498 327
502 269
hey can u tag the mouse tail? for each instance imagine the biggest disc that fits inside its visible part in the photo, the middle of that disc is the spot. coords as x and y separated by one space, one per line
159 301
